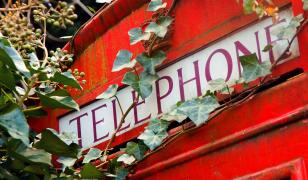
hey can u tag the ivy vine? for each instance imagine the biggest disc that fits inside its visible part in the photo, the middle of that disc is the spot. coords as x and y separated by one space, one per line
29 83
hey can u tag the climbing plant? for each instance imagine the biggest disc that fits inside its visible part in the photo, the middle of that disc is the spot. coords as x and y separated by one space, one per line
32 78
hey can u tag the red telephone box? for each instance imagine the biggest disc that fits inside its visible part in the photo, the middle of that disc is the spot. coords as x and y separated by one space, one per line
263 138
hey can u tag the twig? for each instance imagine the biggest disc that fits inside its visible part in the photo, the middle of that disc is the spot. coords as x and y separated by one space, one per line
122 112
29 87
120 125
32 109
82 6
15 9
150 49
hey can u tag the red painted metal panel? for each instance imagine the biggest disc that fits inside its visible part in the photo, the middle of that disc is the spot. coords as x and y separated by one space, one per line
266 111
260 139
97 44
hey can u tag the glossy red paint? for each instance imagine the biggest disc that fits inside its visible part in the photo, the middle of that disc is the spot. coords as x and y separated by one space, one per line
271 125
259 117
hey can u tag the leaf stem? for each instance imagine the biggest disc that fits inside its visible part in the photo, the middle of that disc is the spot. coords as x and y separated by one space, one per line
119 127
7 96
120 105
32 109
29 87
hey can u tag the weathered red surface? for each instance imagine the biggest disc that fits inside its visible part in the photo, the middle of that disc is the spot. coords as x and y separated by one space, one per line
256 134
97 44
263 133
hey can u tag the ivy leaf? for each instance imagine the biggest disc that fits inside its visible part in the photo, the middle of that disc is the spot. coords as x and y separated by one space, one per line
221 86
198 109
34 61
161 27
149 63
11 57
216 85
92 154
66 78
127 159
109 93
155 5
158 125
67 161
305 5
51 143
57 99
103 1
136 149
143 85
36 169
174 114
121 173
14 122
248 6
90 172
67 137
5 174
20 151
267 48
123 60
151 139
136 35
287 32
252 69
6 77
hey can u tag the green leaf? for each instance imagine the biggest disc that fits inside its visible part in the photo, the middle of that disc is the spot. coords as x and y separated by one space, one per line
158 125
92 154
109 93
287 32
67 161
103 1
155 5
149 63
123 60
216 85
252 69
248 6
6 77
136 35
20 151
305 5
121 173
90 172
66 78
14 122
221 86
10 57
6 174
37 156
143 85
51 143
34 61
267 48
174 114
36 169
136 149
127 159
160 28
151 139
198 109
35 113
54 100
